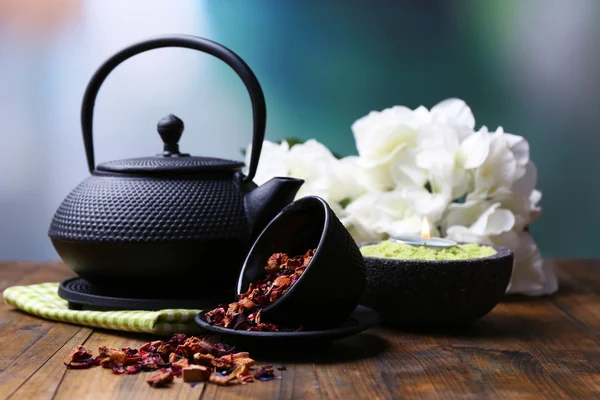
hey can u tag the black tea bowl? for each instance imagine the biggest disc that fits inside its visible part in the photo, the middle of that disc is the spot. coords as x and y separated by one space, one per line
447 293
331 286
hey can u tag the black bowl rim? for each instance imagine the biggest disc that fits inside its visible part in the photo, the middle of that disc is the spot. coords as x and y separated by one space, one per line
298 203
501 252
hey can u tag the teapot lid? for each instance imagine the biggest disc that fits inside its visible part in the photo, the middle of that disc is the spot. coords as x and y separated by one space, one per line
170 129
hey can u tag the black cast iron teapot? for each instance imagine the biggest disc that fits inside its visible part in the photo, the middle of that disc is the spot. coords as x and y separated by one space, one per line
170 221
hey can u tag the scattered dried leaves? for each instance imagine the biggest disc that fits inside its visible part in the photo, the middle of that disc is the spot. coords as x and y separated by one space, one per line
196 359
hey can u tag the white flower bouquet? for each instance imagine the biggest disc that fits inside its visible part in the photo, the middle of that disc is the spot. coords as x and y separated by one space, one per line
473 186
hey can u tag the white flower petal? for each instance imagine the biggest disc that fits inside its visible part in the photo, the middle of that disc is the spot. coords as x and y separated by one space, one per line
535 198
519 146
531 276
406 226
380 133
455 111
501 220
361 216
535 210
436 135
379 177
464 214
508 239
350 180
526 184
465 235
500 168
479 226
444 176
493 221
426 204
437 160
404 171
475 149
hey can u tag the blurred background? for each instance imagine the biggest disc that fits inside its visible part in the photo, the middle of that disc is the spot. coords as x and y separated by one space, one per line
530 66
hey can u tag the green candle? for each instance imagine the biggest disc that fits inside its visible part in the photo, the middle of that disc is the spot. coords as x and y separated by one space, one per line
389 249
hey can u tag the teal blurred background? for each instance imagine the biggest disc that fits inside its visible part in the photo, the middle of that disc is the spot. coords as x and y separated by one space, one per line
530 66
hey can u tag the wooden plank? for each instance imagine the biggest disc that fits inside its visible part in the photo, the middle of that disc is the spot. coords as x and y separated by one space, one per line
511 364
575 350
11 273
299 381
27 273
45 381
490 360
100 383
349 368
28 342
579 295
418 366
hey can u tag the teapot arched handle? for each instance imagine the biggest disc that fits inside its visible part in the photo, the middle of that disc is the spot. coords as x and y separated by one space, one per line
259 112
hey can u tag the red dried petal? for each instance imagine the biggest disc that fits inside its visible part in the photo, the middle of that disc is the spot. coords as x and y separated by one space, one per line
84 364
262 300
129 352
80 354
282 281
216 316
133 369
118 368
179 364
266 373
177 339
165 350
161 378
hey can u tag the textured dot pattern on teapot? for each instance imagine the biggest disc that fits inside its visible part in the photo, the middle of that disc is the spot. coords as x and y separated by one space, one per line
129 209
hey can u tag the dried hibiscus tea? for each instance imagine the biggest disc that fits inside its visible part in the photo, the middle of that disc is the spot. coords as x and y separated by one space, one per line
161 378
196 373
180 364
89 363
133 369
194 359
81 358
203 359
118 368
266 373
281 273
177 339
221 380
80 354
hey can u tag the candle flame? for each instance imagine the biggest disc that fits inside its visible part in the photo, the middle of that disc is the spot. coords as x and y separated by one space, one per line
425 230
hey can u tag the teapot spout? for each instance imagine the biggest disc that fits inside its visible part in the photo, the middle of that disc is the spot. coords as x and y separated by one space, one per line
265 202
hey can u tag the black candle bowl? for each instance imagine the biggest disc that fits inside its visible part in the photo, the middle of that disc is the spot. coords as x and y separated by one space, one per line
331 287
440 293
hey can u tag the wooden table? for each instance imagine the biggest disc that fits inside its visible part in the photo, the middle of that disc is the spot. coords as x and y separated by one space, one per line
525 348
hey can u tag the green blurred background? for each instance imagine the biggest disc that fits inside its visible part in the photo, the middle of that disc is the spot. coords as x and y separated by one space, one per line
528 65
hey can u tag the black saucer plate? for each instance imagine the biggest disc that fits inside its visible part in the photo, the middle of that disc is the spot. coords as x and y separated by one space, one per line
82 295
362 318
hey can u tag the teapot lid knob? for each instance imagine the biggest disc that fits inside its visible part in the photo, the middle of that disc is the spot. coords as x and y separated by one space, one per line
170 129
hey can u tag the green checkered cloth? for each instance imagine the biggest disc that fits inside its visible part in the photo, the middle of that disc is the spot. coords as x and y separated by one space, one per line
43 300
